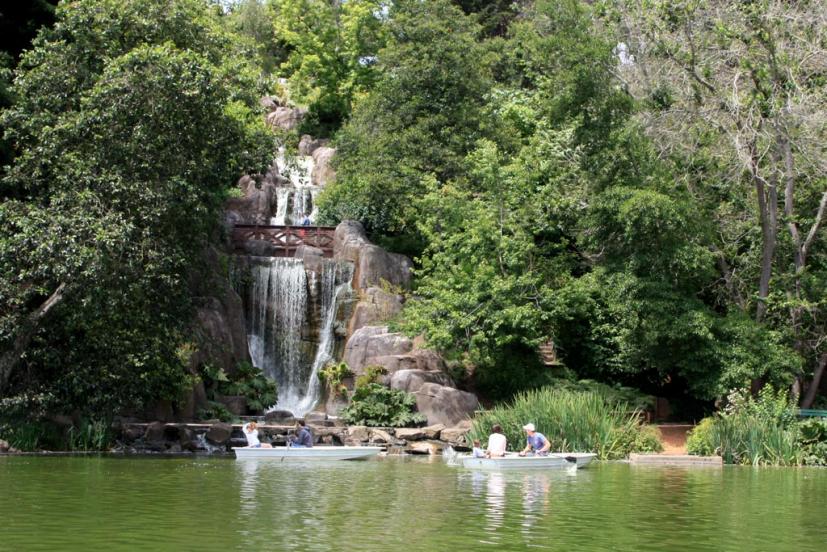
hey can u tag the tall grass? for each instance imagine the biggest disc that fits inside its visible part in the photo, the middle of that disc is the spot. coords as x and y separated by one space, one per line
756 431
572 421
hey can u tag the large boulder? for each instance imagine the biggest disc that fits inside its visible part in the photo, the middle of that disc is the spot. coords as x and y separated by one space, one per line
312 257
375 305
374 266
219 433
257 203
285 118
308 144
322 172
367 345
412 380
445 405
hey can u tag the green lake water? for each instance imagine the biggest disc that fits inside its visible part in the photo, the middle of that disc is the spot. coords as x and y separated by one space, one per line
398 504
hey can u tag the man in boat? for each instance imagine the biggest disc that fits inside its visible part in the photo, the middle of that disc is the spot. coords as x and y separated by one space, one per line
536 442
303 438
496 443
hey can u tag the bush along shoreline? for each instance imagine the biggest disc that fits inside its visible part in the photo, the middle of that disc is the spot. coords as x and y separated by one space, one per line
761 431
573 421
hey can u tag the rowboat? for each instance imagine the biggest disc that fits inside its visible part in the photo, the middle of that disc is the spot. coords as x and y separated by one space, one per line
285 454
515 462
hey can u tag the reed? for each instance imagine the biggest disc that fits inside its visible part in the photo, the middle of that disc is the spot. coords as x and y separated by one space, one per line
572 421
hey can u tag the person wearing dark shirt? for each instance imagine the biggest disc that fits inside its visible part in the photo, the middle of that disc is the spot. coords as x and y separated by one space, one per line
303 437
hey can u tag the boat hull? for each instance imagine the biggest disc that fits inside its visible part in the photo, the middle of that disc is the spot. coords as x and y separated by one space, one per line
554 460
293 454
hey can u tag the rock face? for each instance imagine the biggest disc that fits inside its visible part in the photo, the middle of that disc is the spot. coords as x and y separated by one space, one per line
412 380
368 345
445 405
373 265
308 144
375 305
323 172
285 118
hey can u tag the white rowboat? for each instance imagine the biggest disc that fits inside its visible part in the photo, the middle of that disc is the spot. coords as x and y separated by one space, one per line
285 454
516 462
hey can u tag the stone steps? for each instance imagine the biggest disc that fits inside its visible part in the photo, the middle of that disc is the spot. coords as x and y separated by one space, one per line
675 460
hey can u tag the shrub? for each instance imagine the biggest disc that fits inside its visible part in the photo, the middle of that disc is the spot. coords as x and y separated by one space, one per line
813 440
376 405
371 375
699 441
333 375
759 430
251 383
572 421
248 382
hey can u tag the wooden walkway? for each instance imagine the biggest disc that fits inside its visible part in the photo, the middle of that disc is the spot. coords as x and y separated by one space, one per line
285 239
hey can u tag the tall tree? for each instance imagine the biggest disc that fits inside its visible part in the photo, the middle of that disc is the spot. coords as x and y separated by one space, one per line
134 119
737 99
422 117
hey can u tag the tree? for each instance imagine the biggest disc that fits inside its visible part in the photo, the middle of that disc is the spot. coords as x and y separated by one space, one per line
736 98
333 47
422 117
114 194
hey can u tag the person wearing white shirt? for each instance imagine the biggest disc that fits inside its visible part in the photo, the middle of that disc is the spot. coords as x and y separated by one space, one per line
496 443
251 433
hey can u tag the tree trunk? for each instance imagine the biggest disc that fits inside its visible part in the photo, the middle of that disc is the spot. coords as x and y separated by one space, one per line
812 389
9 359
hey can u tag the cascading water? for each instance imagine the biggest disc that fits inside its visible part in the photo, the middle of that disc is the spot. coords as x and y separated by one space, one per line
280 311
297 201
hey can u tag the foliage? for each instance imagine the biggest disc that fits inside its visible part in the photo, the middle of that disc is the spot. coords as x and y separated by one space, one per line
370 376
760 430
333 375
251 383
571 421
332 55
375 405
615 395
421 117
90 435
216 411
132 120
247 381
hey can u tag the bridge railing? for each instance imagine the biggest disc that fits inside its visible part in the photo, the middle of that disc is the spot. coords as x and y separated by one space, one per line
285 239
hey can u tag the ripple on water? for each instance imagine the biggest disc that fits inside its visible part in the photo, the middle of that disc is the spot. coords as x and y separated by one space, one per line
393 503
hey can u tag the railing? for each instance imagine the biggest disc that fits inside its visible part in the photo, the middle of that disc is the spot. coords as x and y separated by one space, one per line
285 239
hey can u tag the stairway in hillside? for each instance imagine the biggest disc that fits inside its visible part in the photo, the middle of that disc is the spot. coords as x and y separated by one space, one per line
548 355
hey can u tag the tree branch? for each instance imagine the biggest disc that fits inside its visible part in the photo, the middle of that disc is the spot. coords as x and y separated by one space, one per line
9 359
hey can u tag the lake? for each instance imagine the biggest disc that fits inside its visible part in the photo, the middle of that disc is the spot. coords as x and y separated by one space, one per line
113 504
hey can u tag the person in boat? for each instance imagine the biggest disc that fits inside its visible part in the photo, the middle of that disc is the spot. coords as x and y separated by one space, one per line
303 437
536 442
251 433
477 451
496 443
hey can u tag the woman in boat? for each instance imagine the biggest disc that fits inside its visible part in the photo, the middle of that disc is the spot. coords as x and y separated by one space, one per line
496 443
536 442
251 433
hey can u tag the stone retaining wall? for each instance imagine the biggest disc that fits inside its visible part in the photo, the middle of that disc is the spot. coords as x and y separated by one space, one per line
219 437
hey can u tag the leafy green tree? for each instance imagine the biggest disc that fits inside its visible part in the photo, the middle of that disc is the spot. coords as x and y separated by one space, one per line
134 119
331 63
734 99
422 117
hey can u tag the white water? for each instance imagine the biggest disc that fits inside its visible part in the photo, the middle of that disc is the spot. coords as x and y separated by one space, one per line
297 201
278 311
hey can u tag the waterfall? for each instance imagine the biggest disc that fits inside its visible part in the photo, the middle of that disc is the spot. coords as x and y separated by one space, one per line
331 292
279 311
282 200
302 192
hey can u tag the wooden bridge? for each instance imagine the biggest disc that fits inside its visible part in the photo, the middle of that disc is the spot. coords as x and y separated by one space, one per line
285 239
